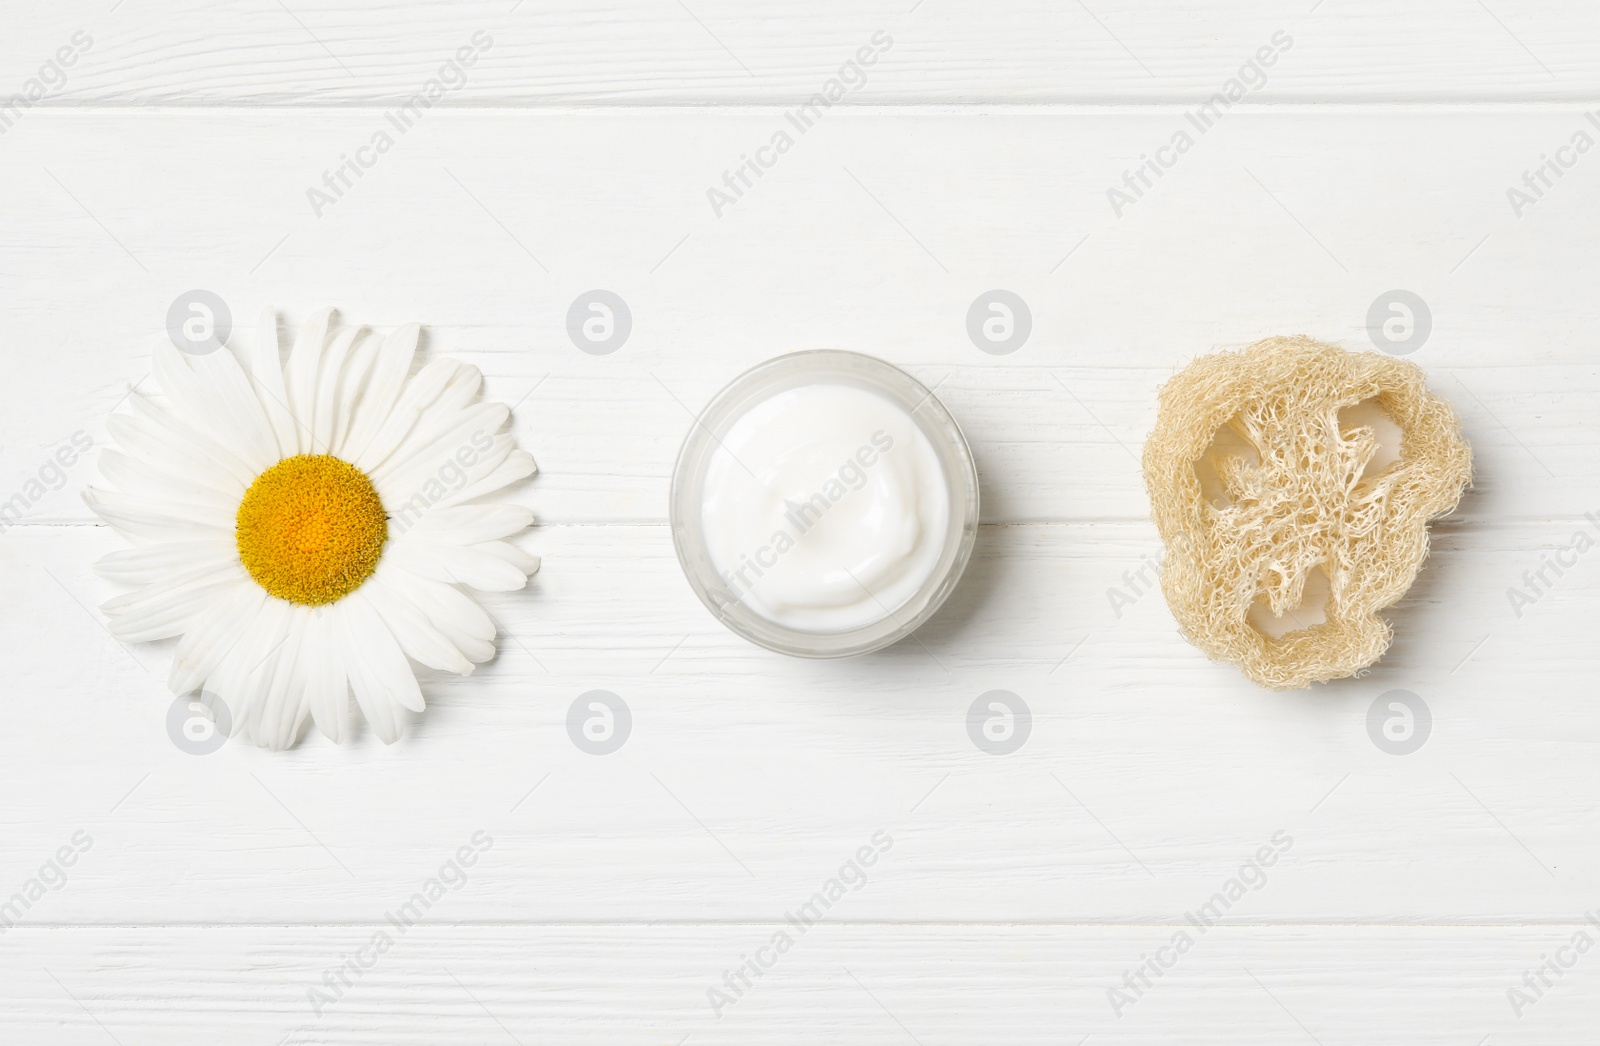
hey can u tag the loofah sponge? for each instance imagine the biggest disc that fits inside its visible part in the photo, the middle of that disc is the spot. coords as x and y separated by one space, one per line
1265 473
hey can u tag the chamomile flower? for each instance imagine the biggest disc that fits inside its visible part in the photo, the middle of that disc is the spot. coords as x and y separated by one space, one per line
309 528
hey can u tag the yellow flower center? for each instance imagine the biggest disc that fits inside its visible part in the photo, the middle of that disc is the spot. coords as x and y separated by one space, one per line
310 529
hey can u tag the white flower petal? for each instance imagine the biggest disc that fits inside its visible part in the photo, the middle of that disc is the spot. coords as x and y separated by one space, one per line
300 379
383 390
517 464
177 435
353 385
266 379
408 495
158 436
239 678
189 576
140 523
523 561
278 722
419 393
144 564
371 657
135 476
169 609
215 632
158 510
452 611
434 442
240 423
186 395
470 524
207 394
415 633
464 387
382 654
327 689
458 566
331 369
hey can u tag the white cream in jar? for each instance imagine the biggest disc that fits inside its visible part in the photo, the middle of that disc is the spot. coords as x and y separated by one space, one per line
824 504
825 508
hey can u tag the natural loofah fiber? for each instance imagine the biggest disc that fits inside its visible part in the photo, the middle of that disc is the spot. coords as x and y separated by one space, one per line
1293 494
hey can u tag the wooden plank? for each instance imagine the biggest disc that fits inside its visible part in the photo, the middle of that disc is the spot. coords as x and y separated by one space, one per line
837 983
718 51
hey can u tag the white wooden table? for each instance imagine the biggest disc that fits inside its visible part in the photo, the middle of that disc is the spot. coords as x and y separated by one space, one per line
224 898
